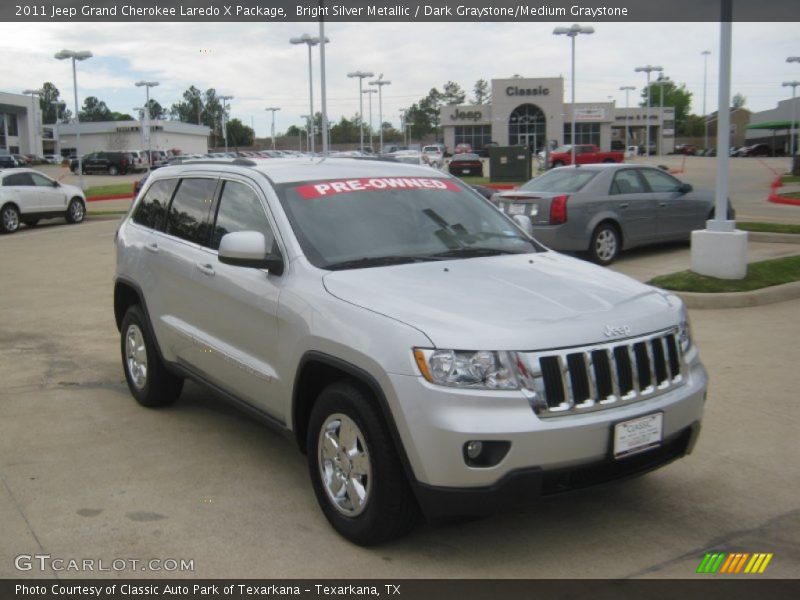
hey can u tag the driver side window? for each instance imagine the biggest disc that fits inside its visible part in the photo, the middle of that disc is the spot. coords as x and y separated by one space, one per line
660 182
627 181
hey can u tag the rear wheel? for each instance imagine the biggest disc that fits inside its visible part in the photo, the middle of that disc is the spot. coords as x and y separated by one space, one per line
605 245
9 219
112 170
148 380
558 163
75 211
355 470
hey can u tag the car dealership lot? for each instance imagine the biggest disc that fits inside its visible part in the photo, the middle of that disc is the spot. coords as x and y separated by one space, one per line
87 473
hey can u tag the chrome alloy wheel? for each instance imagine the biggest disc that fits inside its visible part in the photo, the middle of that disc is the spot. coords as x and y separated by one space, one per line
136 356
344 464
10 219
605 245
76 211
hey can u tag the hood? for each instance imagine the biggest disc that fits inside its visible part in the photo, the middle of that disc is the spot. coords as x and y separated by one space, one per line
72 190
510 302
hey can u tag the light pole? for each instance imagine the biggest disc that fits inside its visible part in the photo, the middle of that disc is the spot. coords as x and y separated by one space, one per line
140 110
369 95
793 85
273 109
225 120
706 54
627 89
309 125
380 82
403 125
572 33
361 76
661 82
648 69
76 55
34 120
58 106
310 41
147 85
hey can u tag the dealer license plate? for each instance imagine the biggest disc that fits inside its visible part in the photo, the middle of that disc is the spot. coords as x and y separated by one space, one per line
516 209
465 171
638 435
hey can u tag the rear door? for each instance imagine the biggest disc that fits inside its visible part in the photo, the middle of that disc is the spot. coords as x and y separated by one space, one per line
677 214
634 205
20 188
237 320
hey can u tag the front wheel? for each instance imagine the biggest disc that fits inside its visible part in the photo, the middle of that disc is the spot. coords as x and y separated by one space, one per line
75 211
355 470
9 219
148 380
605 245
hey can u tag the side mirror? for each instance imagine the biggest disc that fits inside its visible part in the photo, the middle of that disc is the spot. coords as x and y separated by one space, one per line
524 222
685 188
56 184
248 249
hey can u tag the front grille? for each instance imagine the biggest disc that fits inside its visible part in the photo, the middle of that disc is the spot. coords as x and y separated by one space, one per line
577 380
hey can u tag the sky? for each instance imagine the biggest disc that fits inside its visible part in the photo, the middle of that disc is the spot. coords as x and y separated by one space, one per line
255 63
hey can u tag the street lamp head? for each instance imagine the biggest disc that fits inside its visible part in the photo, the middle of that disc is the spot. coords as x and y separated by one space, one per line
369 91
77 55
272 108
792 59
649 69
573 31
706 52
33 92
147 83
792 84
311 40
628 87
361 74
223 98
380 82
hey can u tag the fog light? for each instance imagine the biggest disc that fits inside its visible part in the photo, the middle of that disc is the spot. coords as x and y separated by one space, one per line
474 449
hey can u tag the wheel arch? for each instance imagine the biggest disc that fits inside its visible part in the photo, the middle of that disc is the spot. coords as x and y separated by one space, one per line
606 219
315 371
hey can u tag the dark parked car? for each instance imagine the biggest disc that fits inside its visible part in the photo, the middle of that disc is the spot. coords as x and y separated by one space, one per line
687 149
7 161
466 164
463 149
485 150
604 209
113 163
754 150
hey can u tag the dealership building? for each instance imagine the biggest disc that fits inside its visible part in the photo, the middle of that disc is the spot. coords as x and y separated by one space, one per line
129 135
532 111
20 124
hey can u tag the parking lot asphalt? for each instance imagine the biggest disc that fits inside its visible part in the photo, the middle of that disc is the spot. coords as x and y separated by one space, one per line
87 473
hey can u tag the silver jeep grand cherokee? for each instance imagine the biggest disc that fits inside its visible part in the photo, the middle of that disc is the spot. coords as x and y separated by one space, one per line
426 354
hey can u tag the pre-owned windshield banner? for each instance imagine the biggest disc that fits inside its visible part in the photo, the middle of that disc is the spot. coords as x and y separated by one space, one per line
395 10
374 184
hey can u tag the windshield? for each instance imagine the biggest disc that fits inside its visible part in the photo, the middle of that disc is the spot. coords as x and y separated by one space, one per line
566 148
391 220
560 180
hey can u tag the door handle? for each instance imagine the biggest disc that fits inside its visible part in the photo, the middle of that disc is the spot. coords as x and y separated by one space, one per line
152 248
662 204
205 269
624 205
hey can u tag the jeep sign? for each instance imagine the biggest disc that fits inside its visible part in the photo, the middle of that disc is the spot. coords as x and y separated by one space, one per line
462 115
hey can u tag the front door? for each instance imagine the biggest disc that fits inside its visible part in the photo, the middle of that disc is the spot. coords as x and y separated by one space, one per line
635 206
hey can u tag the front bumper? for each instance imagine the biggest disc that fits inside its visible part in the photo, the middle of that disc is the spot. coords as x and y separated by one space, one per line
435 422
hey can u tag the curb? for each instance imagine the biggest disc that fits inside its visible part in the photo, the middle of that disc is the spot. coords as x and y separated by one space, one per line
111 197
776 198
773 238
768 295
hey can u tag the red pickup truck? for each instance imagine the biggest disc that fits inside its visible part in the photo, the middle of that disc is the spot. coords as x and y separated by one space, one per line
585 154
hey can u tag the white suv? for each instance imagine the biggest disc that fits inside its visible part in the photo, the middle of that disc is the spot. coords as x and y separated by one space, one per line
425 353
26 196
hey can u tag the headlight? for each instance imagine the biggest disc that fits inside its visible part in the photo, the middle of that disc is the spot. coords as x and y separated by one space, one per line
480 369
684 334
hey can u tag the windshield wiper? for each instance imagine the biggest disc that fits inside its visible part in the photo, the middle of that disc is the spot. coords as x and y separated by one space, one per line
379 261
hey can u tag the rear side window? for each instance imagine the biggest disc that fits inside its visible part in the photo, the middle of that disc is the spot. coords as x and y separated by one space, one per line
152 209
561 180
627 181
18 179
660 181
188 214
240 210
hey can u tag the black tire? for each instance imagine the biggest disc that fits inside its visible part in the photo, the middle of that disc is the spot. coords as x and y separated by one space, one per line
558 163
158 387
31 222
76 211
605 245
9 219
113 170
389 510
608 160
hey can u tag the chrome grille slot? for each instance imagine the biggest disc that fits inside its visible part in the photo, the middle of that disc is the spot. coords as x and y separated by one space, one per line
577 380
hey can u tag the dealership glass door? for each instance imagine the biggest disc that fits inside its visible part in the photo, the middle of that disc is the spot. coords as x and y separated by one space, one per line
527 126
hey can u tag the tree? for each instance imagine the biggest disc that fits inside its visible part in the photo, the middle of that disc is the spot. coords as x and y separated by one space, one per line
481 93
51 112
190 109
692 126
453 94
240 134
738 101
346 131
294 131
677 97
118 116
156 110
95 109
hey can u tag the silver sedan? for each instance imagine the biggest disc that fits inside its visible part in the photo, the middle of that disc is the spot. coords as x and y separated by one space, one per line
603 209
